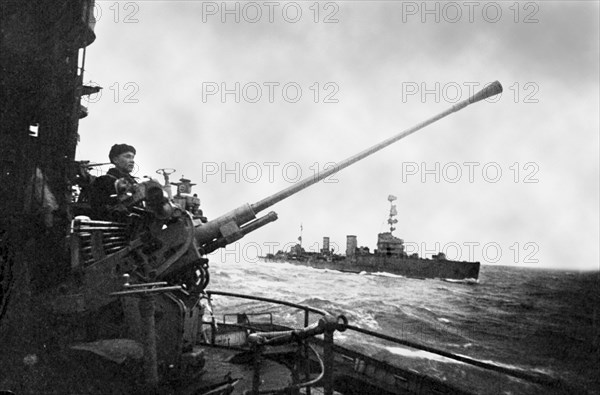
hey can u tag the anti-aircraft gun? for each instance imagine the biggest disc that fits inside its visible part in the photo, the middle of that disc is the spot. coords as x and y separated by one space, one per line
174 240
156 260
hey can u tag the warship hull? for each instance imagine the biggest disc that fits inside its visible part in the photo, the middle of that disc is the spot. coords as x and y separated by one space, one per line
407 267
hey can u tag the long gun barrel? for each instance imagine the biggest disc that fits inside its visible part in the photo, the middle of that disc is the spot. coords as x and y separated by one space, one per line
226 229
490 90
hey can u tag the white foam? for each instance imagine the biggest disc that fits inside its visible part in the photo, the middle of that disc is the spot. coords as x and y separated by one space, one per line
463 281
407 352
384 274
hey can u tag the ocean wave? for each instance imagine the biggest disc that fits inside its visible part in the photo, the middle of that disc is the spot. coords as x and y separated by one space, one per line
531 319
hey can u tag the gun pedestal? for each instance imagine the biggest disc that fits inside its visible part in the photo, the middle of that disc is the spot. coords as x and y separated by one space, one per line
147 307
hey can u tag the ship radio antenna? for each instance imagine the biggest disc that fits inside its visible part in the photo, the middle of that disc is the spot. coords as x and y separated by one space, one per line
393 212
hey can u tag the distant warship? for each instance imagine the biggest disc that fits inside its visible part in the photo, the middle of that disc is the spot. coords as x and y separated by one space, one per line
390 257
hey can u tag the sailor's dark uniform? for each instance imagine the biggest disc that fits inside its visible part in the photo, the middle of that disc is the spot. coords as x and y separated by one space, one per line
104 206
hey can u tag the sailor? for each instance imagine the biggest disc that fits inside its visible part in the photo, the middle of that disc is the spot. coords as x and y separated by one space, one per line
107 190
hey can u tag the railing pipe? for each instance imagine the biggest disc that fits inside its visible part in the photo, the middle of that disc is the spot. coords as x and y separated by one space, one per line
306 361
328 356
269 300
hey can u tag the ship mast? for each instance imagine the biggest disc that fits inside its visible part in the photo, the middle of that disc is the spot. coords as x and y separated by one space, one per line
393 212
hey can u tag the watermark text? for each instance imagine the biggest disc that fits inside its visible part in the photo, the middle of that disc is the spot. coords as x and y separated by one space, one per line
269 91
270 11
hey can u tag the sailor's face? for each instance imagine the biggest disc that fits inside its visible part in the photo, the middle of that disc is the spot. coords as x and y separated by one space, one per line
125 161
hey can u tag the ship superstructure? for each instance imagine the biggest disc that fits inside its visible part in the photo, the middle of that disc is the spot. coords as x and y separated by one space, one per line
390 256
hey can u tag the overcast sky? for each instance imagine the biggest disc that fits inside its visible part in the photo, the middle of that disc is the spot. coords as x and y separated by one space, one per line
247 98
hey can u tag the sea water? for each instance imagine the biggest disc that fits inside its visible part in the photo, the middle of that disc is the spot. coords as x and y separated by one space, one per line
525 319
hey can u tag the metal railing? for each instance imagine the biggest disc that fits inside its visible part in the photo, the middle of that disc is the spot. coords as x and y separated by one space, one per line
328 349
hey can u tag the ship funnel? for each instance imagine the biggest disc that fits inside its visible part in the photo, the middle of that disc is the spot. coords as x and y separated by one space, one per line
325 249
351 245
